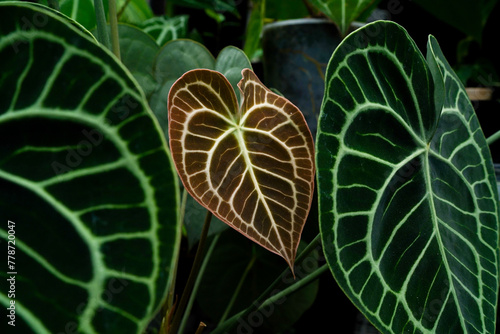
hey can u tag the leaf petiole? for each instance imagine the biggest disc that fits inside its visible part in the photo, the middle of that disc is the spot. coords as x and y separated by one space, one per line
102 32
113 23
494 137
315 243
238 288
192 275
197 283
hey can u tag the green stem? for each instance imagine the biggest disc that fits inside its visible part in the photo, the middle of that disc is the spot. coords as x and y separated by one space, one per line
237 290
222 328
102 31
494 137
169 8
273 299
294 287
192 275
197 283
113 23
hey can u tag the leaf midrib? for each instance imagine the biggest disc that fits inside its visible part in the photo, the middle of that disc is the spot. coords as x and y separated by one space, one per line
238 133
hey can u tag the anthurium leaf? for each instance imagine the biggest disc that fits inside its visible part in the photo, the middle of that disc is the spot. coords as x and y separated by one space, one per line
408 204
343 12
164 29
86 179
251 166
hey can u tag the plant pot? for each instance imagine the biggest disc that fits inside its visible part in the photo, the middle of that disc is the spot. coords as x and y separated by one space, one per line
295 56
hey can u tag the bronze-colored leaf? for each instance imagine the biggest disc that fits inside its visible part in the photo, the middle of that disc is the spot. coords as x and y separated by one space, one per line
252 167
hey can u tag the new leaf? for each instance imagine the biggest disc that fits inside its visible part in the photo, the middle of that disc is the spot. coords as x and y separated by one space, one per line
251 166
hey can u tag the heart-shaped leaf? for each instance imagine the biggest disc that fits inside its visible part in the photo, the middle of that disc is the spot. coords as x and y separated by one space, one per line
86 179
252 167
408 203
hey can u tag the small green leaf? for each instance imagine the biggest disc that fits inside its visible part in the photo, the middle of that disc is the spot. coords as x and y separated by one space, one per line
230 62
408 203
164 29
254 29
138 53
343 12
186 55
87 179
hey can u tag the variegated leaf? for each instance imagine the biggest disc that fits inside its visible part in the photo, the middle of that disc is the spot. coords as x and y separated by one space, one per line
252 167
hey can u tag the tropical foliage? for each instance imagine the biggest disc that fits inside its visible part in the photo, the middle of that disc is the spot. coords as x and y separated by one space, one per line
93 147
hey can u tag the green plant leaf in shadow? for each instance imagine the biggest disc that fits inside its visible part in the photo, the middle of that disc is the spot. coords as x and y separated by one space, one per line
194 216
87 179
231 257
467 16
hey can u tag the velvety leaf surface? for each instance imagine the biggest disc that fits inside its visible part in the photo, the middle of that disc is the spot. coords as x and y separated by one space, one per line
86 177
138 52
251 166
407 196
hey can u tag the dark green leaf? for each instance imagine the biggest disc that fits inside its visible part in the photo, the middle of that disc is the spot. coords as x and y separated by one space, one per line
408 201
467 16
86 177
164 29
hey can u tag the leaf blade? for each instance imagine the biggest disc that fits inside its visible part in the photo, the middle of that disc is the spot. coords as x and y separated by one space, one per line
239 156
406 186
74 121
